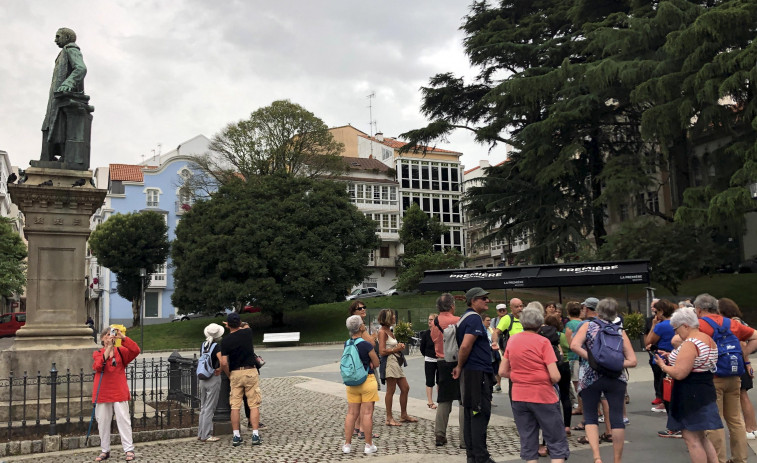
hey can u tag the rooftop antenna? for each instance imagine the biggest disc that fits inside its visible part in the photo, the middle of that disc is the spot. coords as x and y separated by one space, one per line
371 122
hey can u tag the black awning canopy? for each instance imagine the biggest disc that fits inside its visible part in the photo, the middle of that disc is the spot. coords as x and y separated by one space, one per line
538 276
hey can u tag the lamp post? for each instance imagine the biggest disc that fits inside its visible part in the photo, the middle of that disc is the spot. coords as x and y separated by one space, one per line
143 275
753 190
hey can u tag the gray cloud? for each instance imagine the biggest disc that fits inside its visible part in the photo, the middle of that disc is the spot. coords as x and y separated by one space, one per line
162 72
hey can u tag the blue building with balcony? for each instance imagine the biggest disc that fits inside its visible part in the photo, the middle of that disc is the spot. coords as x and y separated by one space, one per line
158 184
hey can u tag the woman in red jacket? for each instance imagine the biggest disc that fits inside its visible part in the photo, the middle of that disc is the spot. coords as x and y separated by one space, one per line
109 364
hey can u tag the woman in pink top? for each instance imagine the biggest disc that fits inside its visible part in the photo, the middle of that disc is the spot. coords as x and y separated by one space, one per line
530 363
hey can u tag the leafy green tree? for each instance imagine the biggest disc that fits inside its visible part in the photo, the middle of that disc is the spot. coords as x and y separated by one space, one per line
287 242
12 260
675 251
704 83
418 235
283 138
419 232
412 269
126 243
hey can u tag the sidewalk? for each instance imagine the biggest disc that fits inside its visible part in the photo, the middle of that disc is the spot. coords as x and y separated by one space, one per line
304 415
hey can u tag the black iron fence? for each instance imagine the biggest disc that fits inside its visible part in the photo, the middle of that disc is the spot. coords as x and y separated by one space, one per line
163 396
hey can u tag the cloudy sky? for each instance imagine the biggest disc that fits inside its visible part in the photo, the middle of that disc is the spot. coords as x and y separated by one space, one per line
161 72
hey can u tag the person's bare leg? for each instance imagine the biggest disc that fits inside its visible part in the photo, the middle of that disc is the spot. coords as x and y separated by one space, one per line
366 411
391 385
618 438
404 393
353 410
748 410
255 418
235 419
592 435
430 395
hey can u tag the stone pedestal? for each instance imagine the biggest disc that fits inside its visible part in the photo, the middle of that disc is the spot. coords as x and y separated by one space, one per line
57 227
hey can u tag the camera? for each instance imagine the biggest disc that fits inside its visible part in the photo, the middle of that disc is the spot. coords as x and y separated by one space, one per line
113 331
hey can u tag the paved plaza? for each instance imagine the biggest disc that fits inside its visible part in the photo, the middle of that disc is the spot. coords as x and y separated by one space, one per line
304 406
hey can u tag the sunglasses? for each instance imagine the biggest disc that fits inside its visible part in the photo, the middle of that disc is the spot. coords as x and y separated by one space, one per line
484 298
361 308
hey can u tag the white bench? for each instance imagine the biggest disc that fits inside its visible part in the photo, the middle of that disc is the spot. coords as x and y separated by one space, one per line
281 337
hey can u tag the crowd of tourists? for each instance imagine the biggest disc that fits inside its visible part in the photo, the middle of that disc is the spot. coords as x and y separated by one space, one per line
559 366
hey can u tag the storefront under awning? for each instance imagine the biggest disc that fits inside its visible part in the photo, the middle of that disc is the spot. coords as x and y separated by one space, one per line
538 276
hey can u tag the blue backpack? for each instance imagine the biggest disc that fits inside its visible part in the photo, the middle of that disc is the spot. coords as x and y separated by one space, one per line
730 356
606 354
351 366
205 368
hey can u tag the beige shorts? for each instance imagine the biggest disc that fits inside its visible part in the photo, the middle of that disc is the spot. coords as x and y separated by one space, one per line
244 383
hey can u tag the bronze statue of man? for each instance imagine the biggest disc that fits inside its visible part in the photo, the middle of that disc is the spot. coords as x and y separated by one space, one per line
67 124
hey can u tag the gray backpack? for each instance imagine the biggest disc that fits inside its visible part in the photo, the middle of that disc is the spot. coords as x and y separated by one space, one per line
449 335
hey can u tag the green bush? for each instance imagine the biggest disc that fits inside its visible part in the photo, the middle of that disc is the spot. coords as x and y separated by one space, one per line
633 323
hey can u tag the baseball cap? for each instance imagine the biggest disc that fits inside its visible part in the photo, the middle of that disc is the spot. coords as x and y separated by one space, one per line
501 307
591 302
233 320
475 292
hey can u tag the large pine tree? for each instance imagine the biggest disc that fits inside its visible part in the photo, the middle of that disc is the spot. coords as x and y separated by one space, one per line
601 101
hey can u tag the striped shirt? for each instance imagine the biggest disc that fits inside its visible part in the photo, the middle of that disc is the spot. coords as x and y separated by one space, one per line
706 359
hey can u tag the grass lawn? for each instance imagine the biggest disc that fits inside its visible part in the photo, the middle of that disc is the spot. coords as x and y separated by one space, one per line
325 322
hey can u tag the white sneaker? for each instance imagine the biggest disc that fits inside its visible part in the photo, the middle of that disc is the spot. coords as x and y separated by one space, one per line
346 448
370 448
751 435
659 408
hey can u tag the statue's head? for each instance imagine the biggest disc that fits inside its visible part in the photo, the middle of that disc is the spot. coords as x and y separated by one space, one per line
64 36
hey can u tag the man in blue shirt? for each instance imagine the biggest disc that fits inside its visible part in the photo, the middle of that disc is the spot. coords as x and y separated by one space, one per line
474 368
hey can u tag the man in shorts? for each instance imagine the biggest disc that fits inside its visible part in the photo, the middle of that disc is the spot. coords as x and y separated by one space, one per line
239 363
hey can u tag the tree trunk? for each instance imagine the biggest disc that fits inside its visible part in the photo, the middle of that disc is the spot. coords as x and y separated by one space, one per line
277 319
596 164
137 314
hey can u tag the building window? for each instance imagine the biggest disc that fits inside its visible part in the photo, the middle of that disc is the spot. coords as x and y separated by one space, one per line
653 202
351 191
153 197
386 153
384 252
623 212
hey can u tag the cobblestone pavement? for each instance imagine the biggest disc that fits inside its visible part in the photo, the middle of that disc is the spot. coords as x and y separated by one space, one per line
307 426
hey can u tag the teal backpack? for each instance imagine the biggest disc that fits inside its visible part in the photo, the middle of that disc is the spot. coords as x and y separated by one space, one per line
351 367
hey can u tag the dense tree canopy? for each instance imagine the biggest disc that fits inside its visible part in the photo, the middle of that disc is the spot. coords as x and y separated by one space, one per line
283 241
676 252
126 243
281 138
12 260
602 101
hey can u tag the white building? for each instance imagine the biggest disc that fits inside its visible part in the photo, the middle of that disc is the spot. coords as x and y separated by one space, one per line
433 180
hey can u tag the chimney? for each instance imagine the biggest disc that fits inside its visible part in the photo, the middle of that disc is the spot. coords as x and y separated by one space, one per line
483 163
380 136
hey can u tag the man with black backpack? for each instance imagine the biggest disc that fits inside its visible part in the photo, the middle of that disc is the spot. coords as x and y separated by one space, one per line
727 379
